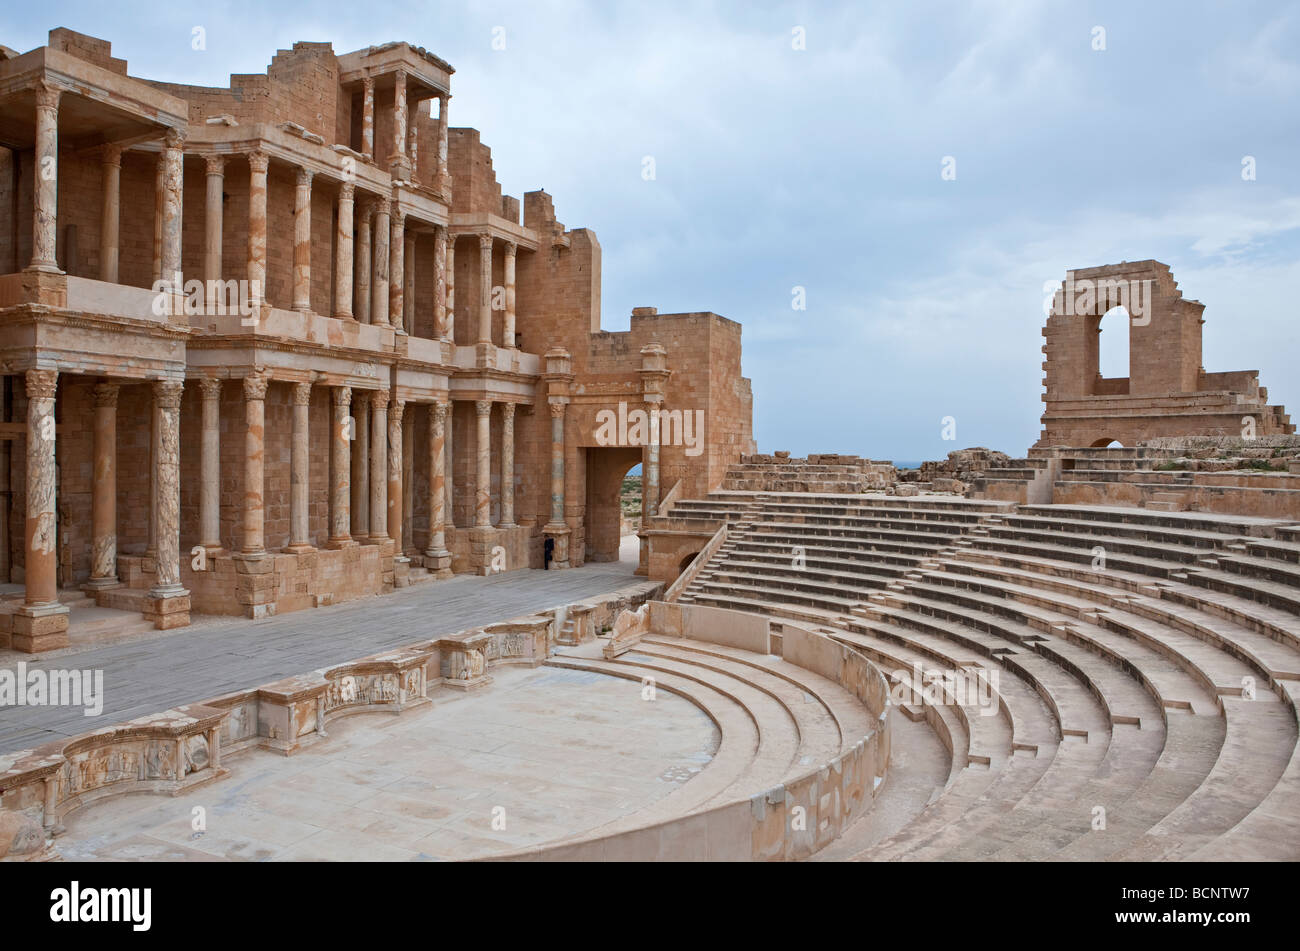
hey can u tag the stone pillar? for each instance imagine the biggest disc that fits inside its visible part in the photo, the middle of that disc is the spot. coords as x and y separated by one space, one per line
363 264
213 211
379 287
341 435
254 457
436 557
45 219
302 242
397 269
379 467
449 515
159 185
172 195
257 165
451 287
111 214
557 463
168 603
650 487
343 254
408 279
485 290
103 503
440 284
41 623
508 337
444 175
413 139
507 464
361 460
483 471
299 470
394 475
210 467
368 118
398 165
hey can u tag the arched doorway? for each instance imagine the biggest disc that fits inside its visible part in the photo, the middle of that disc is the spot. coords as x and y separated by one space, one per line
1107 443
613 503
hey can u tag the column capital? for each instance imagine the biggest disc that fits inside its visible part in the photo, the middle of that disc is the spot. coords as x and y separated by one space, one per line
440 409
483 407
106 394
508 410
111 155
341 395
210 389
255 386
216 164
173 139
485 242
368 84
167 393
396 216
258 161
395 410
379 399
302 394
383 205
557 410
510 248
42 384
347 191
47 95
304 175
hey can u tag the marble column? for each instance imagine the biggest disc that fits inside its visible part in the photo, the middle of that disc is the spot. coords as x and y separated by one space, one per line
440 284
159 185
363 263
103 503
210 467
483 471
379 467
398 165
557 463
341 436
397 269
302 242
485 289
507 464
449 515
42 548
172 206
650 486
436 557
368 118
361 466
299 470
45 218
408 278
508 336
379 286
254 464
111 214
451 287
167 400
343 254
413 139
396 410
258 163
444 175
213 212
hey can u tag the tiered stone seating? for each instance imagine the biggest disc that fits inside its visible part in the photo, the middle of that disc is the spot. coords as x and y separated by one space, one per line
1147 667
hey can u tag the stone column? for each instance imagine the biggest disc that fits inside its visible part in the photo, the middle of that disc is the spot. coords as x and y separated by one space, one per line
508 340
451 287
449 515
173 187
398 166
363 263
42 622
168 603
341 435
557 463
408 278
299 470
302 242
394 475
210 467
444 175
436 557
650 488
485 289
507 464
343 254
111 215
368 118
379 467
159 185
254 457
103 503
440 284
361 459
379 287
257 165
413 139
212 226
45 219
397 269
483 472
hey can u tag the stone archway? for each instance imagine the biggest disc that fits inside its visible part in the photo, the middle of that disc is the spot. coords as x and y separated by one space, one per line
606 468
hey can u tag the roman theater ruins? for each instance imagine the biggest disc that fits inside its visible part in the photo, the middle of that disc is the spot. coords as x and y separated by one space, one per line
312 446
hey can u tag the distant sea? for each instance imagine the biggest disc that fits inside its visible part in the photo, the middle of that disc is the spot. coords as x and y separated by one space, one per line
905 464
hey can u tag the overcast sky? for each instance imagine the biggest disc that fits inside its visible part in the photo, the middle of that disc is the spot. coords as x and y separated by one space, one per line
820 168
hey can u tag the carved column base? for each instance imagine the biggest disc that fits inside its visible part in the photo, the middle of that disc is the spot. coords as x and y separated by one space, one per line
337 544
99 584
40 627
166 609
560 532
438 563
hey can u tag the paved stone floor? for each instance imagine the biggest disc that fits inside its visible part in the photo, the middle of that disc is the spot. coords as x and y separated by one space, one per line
218 655
545 752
